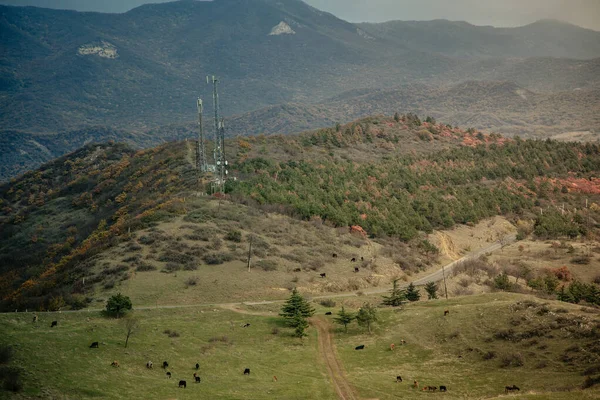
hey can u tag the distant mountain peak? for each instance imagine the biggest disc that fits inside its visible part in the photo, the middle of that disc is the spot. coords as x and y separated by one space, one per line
282 28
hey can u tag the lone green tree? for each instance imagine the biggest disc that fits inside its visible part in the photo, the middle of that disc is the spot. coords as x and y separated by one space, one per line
397 296
367 316
344 318
412 293
431 288
118 304
296 310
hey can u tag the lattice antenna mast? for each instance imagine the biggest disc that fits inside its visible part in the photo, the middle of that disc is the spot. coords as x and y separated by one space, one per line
219 155
201 151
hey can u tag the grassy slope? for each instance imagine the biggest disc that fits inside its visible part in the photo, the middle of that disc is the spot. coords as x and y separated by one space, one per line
59 363
434 343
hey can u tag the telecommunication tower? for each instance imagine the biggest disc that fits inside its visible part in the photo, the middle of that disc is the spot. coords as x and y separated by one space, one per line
219 150
201 152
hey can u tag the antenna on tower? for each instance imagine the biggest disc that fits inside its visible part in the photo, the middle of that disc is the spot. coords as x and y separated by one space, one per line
200 151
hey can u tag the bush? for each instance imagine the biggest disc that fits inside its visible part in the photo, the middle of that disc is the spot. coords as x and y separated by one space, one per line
327 303
191 281
267 265
502 282
171 267
581 260
512 360
234 236
489 355
213 259
143 267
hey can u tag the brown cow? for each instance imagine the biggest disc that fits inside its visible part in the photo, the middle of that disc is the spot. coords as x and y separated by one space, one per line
446 312
392 346
115 364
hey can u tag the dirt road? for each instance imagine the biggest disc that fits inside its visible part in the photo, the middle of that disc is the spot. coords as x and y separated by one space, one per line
336 372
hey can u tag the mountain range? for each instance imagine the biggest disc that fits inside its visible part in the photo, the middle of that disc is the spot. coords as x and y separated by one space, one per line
283 67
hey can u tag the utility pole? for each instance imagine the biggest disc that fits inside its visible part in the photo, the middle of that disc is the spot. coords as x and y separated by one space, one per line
445 287
250 252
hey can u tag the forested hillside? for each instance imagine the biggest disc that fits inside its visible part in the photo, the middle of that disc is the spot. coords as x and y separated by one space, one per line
392 176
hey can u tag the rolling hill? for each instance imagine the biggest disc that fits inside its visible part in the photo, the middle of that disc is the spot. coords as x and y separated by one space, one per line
397 178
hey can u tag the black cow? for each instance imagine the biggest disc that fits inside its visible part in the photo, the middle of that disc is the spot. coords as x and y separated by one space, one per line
323 275
334 255
398 378
443 388
246 325
165 364
361 347
328 313
197 378
362 259
297 269
94 345
53 324
356 269
511 388
353 259
197 366
182 383
169 375
247 371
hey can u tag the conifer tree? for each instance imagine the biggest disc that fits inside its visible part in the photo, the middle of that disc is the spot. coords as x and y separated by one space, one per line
412 293
294 306
397 296
344 318
431 288
366 316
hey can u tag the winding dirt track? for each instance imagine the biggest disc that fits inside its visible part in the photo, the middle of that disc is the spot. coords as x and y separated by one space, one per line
342 387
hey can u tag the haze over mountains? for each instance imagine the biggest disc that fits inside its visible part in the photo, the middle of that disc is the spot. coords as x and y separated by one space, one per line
64 71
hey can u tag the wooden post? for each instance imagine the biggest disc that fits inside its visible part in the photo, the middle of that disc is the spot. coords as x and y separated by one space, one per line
445 287
249 252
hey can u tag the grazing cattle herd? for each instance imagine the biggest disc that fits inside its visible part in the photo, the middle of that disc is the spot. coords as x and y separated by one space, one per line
183 383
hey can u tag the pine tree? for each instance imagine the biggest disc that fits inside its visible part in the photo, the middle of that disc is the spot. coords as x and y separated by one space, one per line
344 318
412 293
397 296
296 305
301 324
431 288
366 316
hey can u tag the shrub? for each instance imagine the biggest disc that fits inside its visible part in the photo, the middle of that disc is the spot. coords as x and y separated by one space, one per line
171 267
143 267
581 260
234 236
502 282
213 259
190 266
275 330
512 360
327 303
174 334
191 281
175 257
267 265
489 355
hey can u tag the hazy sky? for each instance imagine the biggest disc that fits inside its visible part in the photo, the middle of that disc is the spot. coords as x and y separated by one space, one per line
584 13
